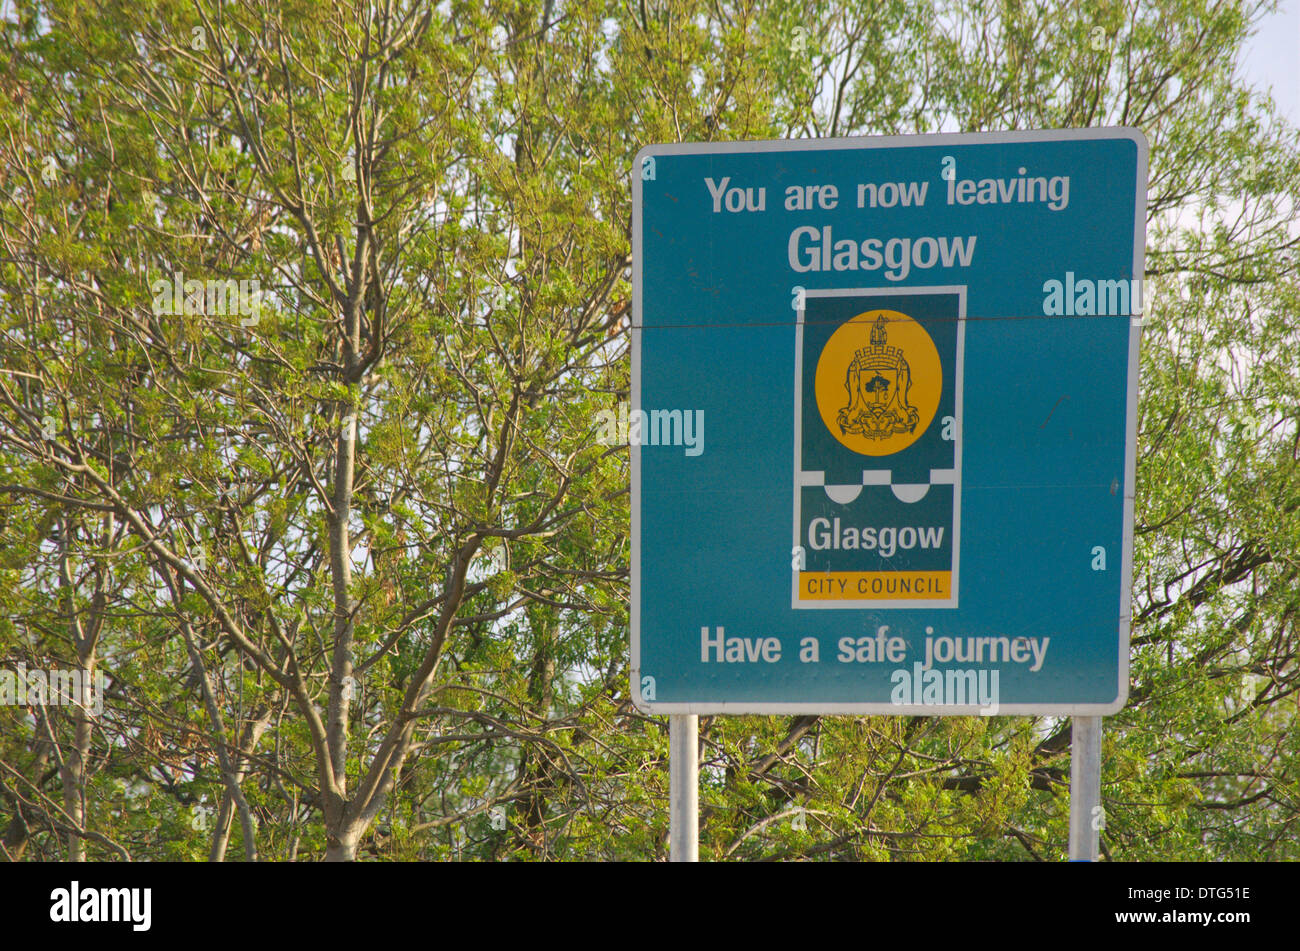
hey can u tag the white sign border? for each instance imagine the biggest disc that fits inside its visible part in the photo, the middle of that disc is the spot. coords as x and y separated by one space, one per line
655 707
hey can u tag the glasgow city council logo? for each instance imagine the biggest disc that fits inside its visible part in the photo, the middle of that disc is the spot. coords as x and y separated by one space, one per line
878 448
879 379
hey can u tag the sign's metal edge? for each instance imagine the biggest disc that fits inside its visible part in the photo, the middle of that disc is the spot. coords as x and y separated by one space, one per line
1139 140
1133 134
634 397
739 708
890 141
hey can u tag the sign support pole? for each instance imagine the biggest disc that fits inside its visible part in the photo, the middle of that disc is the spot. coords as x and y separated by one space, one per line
683 788
1085 788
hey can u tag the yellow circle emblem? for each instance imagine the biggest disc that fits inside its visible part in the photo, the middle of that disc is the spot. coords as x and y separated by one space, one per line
878 382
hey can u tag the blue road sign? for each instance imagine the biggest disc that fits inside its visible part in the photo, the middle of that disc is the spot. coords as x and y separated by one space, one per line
883 423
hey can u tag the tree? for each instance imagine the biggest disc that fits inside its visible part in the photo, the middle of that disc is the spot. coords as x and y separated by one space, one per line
308 314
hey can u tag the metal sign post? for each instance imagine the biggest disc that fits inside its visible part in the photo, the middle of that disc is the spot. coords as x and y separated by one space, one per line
684 788
1086 815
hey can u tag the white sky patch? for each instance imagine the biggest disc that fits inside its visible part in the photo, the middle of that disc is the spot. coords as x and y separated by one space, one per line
1268 58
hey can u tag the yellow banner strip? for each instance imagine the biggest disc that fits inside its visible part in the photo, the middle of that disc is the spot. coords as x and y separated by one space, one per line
874 585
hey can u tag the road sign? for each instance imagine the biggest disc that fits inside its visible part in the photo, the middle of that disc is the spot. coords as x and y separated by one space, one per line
883 423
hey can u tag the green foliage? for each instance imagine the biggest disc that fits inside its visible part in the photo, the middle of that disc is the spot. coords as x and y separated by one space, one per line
412 643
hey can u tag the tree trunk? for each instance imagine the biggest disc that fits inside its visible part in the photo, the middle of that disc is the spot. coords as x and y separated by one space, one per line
343 848
73 771
74 767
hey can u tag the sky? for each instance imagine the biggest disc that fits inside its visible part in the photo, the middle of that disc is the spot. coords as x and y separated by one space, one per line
1270 58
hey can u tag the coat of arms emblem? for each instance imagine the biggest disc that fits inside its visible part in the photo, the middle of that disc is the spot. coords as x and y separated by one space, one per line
878 382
